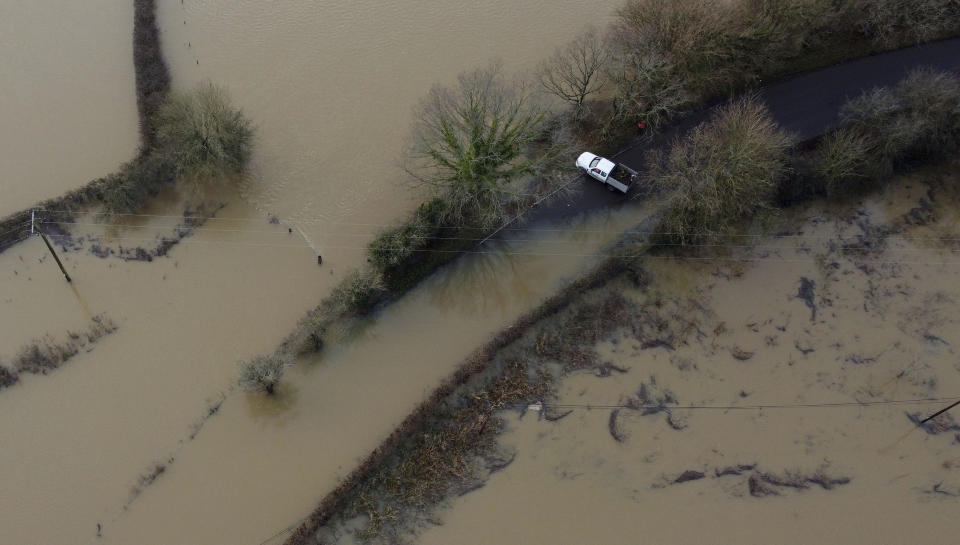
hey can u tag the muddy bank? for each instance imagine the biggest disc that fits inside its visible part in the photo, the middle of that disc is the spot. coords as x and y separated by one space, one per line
152 84
468 370
811 415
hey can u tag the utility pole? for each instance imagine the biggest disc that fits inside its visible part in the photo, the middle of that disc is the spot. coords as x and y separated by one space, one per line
34 228
938 413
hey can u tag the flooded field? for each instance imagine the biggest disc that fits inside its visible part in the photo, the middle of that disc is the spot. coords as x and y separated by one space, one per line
331 86
325 85
261 463
68 113
800 355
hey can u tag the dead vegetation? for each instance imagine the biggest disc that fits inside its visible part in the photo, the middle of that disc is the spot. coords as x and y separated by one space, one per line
761 484
8 377
262 373
146 479
451 455
48 353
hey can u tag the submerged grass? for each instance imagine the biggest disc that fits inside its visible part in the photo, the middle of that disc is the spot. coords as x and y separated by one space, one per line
48 353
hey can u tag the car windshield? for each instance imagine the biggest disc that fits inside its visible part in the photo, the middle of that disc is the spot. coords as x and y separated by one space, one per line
595 161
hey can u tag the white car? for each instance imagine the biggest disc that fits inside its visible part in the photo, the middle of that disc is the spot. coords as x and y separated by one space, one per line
607 171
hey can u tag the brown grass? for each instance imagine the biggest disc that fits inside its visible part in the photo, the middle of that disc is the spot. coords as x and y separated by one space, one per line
47 353
335 501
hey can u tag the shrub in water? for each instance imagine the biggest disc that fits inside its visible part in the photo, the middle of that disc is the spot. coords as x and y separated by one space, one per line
262 374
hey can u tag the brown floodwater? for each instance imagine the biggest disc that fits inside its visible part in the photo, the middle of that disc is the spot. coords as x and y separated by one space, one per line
67 108
331 85
323 83
885 329
261 464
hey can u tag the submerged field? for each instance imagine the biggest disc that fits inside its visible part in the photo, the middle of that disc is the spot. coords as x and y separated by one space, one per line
806 354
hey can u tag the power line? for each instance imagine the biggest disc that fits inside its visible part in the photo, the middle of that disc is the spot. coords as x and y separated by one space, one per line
539 241
326 221
644 255
823 405
15 229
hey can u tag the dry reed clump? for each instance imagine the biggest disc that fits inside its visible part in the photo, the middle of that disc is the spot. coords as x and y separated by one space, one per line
449 454
571 342
47 353
333 503
262 373
724 172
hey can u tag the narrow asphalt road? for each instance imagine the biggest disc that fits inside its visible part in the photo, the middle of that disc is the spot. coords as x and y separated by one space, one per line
806 105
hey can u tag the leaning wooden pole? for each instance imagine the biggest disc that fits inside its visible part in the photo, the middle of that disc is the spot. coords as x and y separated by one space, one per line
55 256
938 413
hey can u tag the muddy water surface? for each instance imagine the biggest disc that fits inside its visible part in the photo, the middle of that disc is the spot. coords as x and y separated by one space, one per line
325 83
261 463
331 84
67 107
881 325
76 440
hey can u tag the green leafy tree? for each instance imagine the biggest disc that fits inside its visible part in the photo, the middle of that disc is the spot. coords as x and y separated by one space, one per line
469 141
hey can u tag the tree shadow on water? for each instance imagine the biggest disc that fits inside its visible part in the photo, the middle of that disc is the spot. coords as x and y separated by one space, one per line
277 405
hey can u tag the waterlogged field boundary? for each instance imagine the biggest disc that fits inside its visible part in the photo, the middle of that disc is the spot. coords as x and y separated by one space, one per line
817 177
152 88
471 367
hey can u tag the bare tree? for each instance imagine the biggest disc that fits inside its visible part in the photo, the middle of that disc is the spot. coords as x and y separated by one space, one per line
573 72
469 141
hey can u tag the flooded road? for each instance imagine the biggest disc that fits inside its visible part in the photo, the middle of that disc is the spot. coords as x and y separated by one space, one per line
874 324
67 107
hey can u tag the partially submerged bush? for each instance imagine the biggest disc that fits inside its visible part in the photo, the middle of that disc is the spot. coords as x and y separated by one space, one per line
724 172
395 246
203 134
262 373
358 293
43 355
8 377
199 138
137 181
